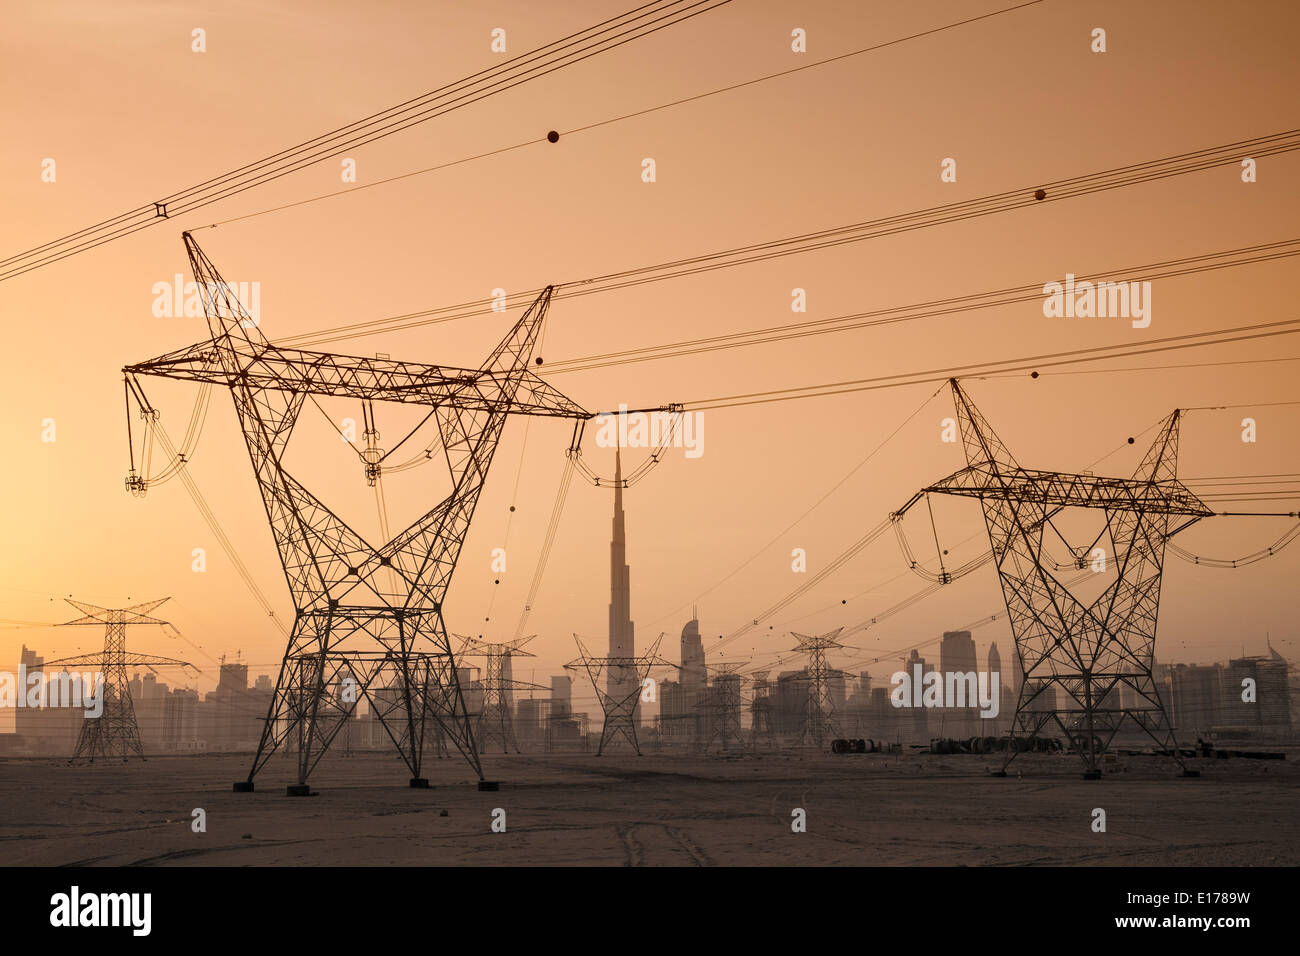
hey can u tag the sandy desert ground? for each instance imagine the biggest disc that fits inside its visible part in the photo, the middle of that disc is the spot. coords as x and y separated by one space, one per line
659 809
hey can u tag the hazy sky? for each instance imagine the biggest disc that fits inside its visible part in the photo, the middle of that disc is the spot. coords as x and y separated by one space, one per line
114 94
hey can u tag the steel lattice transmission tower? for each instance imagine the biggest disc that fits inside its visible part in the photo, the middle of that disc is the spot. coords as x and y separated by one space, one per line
818 721
496 723
373 612
723 702
761 716
115 732
618 699
1097 656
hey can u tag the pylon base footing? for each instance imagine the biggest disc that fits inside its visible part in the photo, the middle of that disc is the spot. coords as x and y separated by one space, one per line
243 786
1092 775
298 790
1190 773
489 785
419 783
997 773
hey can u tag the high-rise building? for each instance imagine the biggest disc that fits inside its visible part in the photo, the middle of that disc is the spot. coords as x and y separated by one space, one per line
529 721
621 681
1192 696
1006 697
957 652
149 697
790 702
683 703
231 717
854 717
695 675
915 726
45 729
561 695
180 727
957 656
1269 705
883 717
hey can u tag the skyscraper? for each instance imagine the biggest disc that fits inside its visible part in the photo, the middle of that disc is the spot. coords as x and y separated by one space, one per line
561 694
622 642
957 652
957 656
1006 695
694 674
915 726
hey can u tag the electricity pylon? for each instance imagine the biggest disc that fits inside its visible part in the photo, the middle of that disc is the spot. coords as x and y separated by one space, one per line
619 703
818 723
762 721
115 732
359 608
1098 655
722 706
496 722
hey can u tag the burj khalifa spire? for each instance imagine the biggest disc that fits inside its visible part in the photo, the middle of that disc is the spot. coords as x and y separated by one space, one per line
622 642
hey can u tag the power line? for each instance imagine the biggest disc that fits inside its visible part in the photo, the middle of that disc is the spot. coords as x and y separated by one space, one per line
936 307
1262 554
1115 178
817 504
557 511
1164 368
604 36
938 581
632 115
885 382
214 524
1026 363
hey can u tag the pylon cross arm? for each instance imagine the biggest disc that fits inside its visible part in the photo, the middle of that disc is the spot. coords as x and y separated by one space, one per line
350 376
94 614
1062 489
128 658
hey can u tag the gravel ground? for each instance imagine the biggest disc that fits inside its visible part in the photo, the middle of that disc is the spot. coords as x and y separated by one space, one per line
660 809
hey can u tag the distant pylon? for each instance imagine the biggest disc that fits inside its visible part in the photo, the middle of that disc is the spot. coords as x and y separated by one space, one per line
818 723
722 707
115 732
761 719
1097 656
620 703
496 722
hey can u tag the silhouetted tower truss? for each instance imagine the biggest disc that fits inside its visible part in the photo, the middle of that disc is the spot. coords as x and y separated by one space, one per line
115 732
819 724
722 706
1096 657
373 610
762 721
496 723
618 700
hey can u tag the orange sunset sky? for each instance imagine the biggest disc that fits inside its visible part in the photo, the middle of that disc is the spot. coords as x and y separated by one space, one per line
115 95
